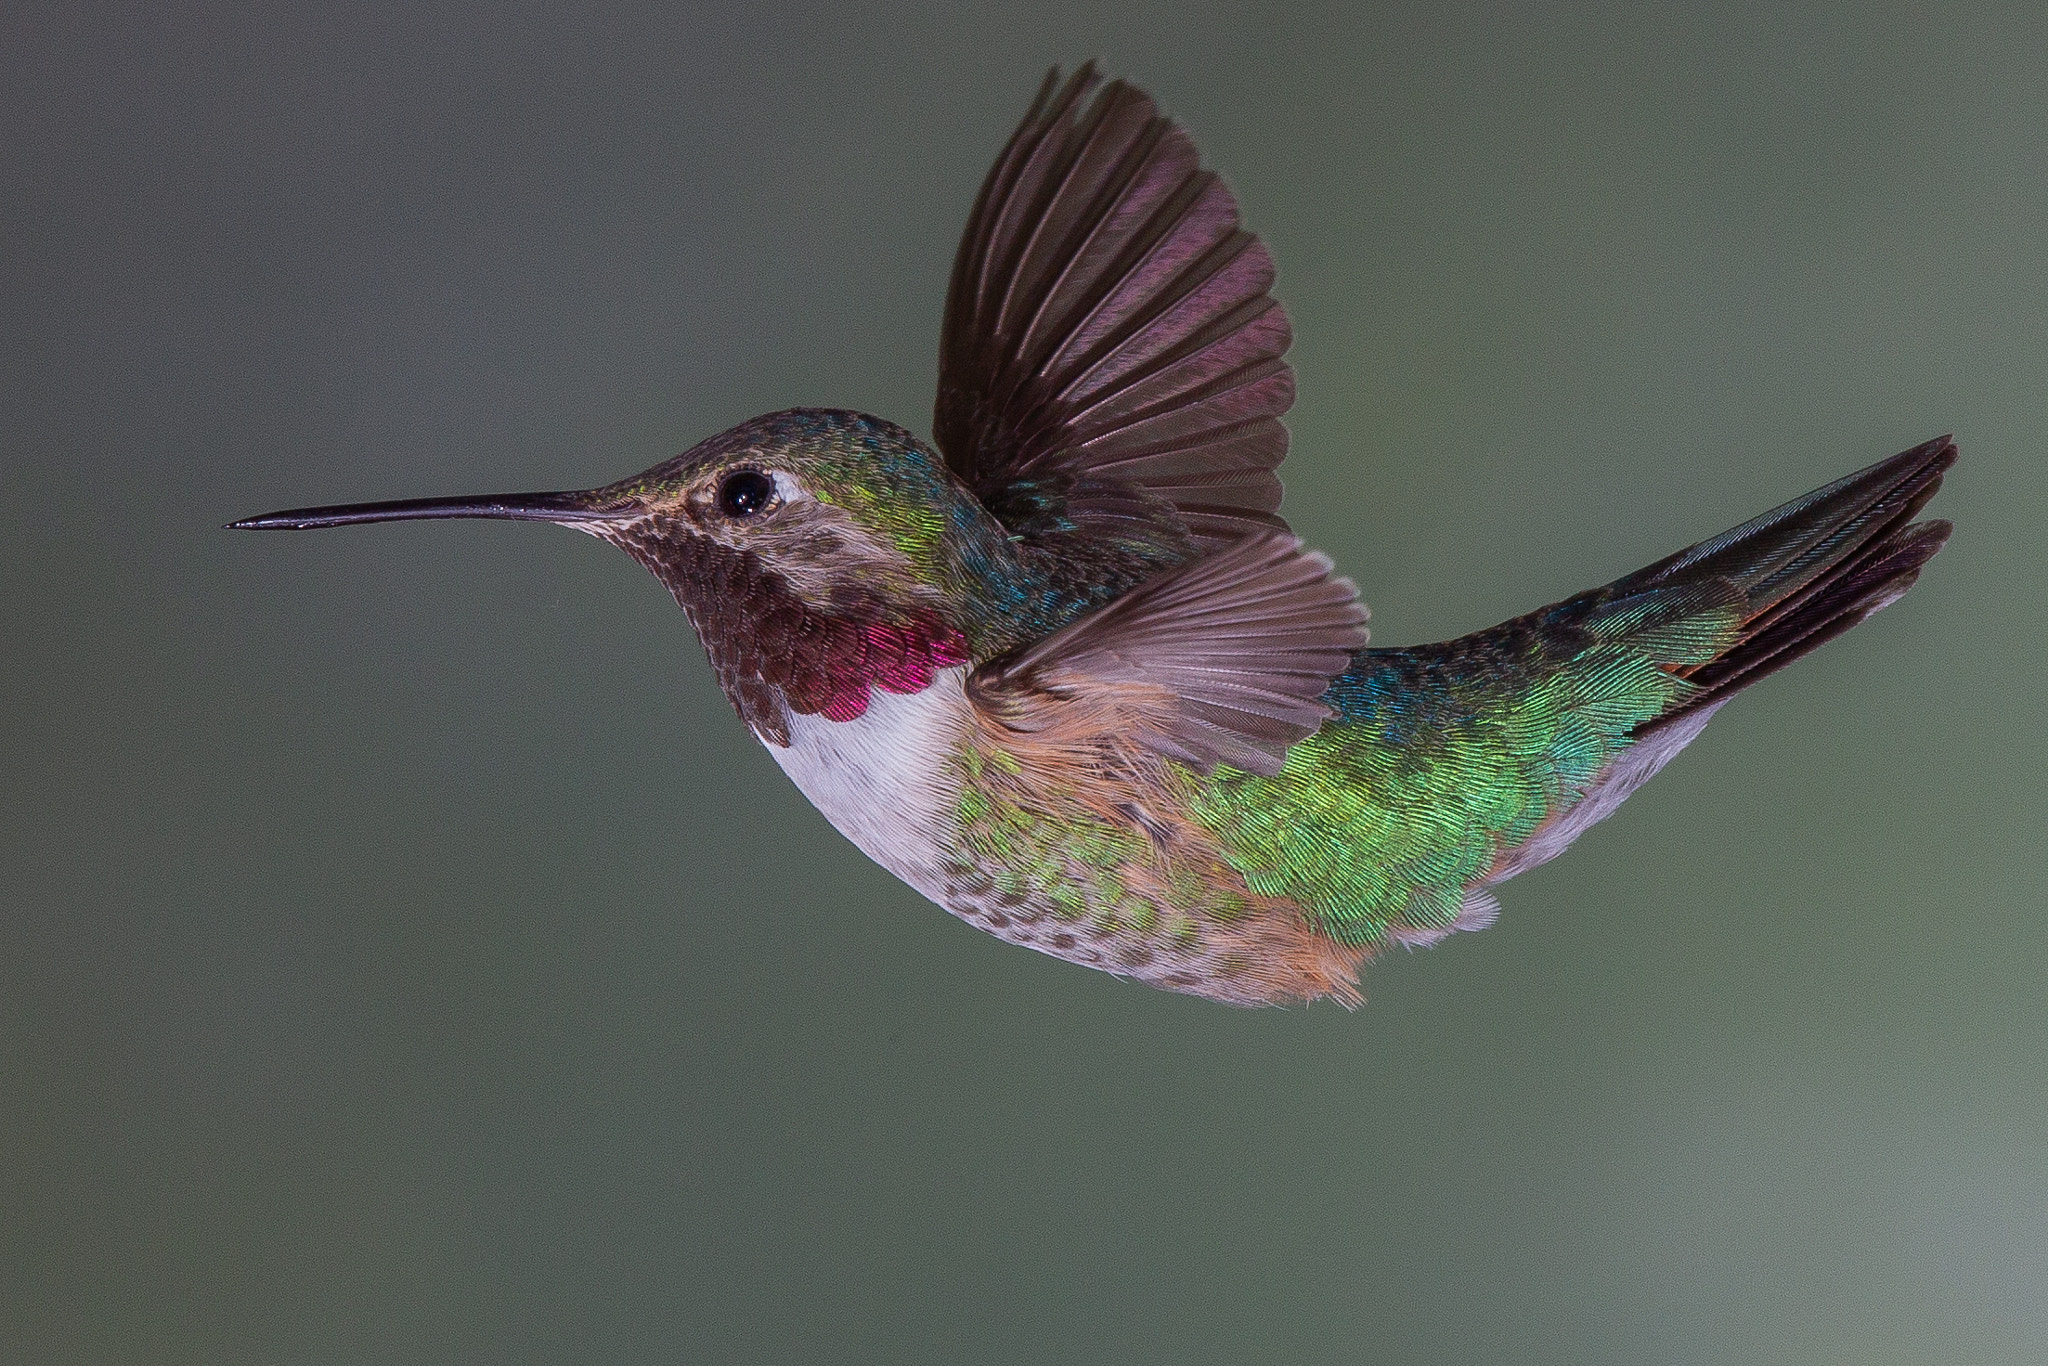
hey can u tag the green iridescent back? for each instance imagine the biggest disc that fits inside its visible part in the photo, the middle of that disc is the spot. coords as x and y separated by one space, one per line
1443 757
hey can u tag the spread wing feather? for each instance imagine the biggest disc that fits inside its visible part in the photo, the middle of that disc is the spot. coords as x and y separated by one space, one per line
1108 330
1218 660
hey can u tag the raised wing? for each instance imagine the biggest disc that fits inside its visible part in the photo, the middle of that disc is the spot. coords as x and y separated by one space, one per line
1218 660
1111 359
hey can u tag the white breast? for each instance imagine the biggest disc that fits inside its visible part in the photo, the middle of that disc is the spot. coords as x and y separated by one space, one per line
888 781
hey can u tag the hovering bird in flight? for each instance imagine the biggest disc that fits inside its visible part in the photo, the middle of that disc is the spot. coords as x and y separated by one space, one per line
1066 672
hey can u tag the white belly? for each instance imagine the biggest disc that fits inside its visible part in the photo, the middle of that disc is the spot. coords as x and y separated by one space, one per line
888 781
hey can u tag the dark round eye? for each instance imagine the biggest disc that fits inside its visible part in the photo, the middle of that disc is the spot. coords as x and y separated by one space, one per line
744 493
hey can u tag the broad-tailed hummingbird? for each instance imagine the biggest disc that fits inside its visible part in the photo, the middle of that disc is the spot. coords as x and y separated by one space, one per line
1066 672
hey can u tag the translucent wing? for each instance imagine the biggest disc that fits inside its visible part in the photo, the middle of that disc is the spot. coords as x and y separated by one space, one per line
1111 359
1218 660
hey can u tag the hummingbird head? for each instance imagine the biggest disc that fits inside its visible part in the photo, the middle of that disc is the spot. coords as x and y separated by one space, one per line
820 554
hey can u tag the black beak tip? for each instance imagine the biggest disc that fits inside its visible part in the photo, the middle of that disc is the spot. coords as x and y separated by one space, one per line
513 507
269 521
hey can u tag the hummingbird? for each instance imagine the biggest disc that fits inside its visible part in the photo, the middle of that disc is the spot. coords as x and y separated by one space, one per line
1066 672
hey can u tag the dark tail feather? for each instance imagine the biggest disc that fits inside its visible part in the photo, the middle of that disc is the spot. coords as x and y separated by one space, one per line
1811 569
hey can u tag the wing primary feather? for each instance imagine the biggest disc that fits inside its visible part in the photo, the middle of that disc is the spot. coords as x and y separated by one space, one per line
1018 159
1043 213
970 267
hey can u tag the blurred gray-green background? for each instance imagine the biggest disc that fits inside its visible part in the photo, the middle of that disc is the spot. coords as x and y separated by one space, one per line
406 956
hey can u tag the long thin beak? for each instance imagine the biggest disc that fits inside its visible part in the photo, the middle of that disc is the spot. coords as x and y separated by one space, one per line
504 507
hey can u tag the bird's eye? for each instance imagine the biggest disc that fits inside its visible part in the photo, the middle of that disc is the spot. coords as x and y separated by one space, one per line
744 493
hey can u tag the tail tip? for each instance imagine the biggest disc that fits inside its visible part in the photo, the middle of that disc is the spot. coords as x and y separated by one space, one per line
1939 454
